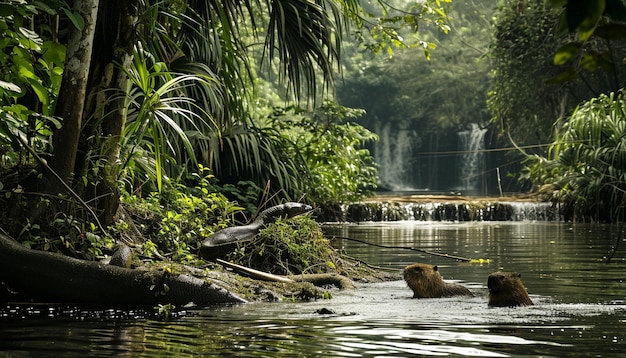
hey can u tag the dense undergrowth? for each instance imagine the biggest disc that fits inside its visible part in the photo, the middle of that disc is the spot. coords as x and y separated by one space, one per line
169 227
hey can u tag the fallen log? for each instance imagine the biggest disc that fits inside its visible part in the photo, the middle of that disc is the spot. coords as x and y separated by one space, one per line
49 277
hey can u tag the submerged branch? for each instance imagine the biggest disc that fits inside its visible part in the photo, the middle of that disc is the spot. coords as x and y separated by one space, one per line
458 258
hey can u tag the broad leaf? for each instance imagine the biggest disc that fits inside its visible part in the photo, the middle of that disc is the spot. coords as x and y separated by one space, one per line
566 52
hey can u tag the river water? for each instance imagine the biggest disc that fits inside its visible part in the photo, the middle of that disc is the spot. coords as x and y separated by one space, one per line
579 304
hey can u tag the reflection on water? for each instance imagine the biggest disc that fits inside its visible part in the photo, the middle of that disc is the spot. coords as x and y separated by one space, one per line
578 305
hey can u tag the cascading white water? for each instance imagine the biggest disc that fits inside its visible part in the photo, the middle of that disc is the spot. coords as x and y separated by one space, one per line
431 211
472 143
392 153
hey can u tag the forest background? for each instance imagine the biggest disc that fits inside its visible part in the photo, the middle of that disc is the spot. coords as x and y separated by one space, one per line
177 118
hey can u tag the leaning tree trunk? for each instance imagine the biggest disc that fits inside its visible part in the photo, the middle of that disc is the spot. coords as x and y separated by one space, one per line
72 94
48 277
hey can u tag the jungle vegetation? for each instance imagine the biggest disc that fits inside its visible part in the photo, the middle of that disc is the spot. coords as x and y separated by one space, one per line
557 95
531 71
151 118
158 111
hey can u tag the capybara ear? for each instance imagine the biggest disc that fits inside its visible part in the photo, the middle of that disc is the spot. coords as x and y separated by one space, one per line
435 268
519 275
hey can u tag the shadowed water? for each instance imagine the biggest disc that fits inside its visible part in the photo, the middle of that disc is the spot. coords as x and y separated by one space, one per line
578 311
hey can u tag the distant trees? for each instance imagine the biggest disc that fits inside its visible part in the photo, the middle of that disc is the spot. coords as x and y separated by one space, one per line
409 91
538 77
583 166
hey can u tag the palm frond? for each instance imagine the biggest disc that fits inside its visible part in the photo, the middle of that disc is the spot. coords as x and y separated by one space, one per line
155 111
304 35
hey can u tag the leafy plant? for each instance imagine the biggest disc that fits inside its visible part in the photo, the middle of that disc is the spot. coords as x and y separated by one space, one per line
336 167
31 70
600 31
155 109
176 219
585 167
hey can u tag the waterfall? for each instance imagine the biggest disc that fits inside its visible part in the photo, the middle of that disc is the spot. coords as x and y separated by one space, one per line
472 143
392 154
431 211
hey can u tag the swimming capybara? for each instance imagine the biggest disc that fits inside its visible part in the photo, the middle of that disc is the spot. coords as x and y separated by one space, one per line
426 282
506 290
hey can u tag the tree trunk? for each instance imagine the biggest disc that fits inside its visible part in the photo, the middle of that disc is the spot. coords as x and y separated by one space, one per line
115 39
72 94
49 277
96 95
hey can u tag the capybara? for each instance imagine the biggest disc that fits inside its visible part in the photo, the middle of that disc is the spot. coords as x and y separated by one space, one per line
426 282
506 290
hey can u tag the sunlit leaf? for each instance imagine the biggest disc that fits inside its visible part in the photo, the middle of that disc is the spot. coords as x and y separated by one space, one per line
566 52
590 61
10 86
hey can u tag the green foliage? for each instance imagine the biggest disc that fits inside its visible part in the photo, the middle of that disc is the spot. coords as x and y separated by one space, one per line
522 50
165 310
585 167
600 34
175 220
71 234
540 73
336 166
286 247
586 17
429 97
31 69
258 154
385 26
156 106
49 223
245 193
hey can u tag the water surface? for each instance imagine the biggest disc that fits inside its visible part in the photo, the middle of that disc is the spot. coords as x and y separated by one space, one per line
579 305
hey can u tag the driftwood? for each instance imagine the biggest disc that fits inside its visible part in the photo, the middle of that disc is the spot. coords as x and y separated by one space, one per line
324 279
256 274
337 280
49 277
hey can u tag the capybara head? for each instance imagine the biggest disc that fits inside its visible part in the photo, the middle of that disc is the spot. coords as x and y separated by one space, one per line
424 280
507 290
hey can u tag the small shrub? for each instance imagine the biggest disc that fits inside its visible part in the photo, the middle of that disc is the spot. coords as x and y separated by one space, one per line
290 246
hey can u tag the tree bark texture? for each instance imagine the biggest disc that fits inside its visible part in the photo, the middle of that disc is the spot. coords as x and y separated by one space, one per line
116 36
49 277
72 94
104 49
